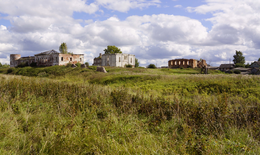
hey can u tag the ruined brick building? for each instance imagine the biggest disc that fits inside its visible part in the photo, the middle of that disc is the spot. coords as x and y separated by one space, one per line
115 60
186 63
48 58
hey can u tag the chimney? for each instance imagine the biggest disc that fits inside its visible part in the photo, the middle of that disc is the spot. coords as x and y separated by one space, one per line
100 55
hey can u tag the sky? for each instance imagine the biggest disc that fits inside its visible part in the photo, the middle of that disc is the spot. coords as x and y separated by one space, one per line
155 31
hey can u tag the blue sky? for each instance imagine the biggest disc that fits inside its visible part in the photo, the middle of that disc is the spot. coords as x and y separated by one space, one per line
154 30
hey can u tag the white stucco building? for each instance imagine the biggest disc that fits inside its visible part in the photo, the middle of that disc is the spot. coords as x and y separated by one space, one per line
117 60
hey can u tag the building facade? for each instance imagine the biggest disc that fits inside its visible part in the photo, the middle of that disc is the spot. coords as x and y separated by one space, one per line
48 58
186 63
115 60
225 67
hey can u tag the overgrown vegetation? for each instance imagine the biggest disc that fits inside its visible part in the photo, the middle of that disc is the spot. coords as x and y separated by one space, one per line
64 110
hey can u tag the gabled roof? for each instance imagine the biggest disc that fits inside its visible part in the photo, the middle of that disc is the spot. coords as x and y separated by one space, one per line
257 62
48 52
226 66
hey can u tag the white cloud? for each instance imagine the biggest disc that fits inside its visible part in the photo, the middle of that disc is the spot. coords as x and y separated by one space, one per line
178 6
152 38
126 5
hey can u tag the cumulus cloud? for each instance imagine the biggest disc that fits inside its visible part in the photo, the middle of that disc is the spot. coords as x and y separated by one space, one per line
126 5
152 38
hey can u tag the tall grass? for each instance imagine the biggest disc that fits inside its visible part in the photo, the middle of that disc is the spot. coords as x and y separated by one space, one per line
214 114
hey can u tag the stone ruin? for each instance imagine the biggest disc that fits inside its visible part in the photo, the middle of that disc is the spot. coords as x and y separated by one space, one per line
101 69
187 63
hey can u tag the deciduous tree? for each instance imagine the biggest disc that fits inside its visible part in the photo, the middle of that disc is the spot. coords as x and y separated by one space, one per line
112 50
239 59
63 48
136 63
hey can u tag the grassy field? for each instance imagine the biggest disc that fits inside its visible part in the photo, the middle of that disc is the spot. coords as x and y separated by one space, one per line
61 110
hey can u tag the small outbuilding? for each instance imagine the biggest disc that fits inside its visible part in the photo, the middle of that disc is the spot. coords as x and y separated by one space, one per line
225 67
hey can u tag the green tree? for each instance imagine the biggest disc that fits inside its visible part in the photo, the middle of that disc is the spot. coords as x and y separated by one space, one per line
259 59
1 64
63 48
136 63
239 59
112 50
87 64
151 66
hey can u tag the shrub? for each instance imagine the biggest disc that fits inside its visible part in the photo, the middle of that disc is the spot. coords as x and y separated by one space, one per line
151 66
181 67
69 64
237 71
128 66
78 64
23 64
10 70
33 64
93 67
87 64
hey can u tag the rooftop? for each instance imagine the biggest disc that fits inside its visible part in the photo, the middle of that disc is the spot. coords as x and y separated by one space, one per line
48 52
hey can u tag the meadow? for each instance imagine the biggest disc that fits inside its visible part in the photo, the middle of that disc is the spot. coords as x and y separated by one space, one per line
63 110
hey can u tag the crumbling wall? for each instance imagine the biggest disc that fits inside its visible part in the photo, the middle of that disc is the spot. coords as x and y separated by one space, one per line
13 59
64 59
47 59
186 63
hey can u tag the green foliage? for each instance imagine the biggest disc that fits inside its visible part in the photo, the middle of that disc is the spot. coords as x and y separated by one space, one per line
4 65
151 66
69 64
112 50
258 59
239 65
87 64
33 64
93 68
10 70
128 66
23 64
78 64
247 65
239 58
237 71
136 63
63 48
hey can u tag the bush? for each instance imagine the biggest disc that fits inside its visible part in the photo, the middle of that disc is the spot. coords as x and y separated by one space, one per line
23 64
10 70
87 64
69 64
93 67
151 66
237 71
128 66
33 64
78 64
